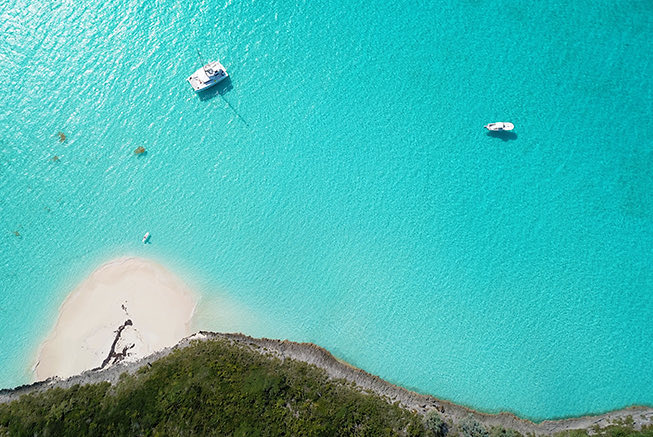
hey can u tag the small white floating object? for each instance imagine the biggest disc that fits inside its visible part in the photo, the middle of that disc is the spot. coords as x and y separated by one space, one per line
500 125
207 76
146 237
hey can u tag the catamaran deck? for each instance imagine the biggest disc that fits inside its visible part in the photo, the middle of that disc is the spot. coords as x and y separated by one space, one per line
207 76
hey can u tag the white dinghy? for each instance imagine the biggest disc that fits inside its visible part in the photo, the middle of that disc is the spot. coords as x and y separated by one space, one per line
499 126
207 76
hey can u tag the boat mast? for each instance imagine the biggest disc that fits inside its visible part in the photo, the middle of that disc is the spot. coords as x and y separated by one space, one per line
201 61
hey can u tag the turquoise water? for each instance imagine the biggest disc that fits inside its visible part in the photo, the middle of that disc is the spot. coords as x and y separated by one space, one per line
342 190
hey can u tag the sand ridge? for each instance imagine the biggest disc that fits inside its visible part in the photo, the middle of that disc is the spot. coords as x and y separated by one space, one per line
126 309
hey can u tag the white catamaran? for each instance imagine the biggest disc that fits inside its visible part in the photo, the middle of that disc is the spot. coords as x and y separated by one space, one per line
207 76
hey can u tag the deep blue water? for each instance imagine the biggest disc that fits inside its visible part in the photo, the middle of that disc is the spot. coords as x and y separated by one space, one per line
341 188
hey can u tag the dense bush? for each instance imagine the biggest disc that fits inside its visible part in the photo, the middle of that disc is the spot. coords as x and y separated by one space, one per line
497 431
620 428
469 427
435 426
216 388
211 388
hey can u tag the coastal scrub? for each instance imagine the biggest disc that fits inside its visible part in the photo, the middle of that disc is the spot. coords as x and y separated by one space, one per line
435 426
211 388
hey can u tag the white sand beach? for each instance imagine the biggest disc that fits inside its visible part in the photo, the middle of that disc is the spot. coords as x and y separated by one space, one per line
129 306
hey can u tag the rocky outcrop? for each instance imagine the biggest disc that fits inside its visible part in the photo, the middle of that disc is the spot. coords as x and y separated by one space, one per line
337 369
116 357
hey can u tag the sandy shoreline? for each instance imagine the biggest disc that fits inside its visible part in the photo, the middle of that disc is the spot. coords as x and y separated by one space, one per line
132 311
337 369
125 310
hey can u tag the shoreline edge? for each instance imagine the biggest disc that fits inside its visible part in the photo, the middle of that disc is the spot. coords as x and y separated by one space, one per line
338 369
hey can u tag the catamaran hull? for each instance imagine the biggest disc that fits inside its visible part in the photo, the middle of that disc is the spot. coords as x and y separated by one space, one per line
201 81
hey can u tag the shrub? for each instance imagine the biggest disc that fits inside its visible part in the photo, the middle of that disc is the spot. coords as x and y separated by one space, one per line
469 427
499 431
434 424
211 388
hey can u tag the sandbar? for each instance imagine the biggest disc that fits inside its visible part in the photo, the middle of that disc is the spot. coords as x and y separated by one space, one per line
125 310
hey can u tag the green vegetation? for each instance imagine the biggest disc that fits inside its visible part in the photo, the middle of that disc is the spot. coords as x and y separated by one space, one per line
497 431
218 388
435 426
469 427
619 428
211 388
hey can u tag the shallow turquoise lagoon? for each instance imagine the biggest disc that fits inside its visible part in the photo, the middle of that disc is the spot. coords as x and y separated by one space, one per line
341 188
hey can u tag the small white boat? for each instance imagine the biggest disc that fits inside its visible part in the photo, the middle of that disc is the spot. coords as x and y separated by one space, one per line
146 237
207 76
498 126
